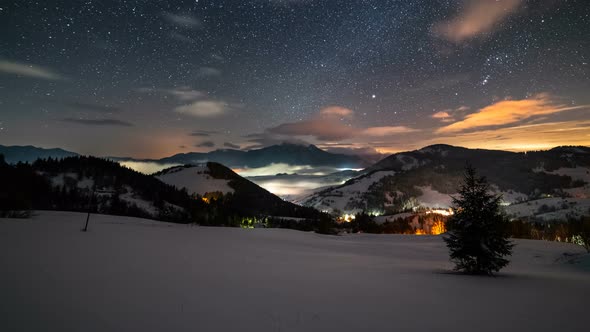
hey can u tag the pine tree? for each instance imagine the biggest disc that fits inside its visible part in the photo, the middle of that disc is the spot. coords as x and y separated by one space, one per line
478 233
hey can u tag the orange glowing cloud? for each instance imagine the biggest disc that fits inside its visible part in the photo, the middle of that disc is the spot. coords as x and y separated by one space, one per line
508 112
539 136
475 18
443 116
328 125
387 131
336 111
440 115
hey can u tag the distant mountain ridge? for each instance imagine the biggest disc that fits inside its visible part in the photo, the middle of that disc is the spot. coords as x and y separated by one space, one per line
556 181
28 154
292 154
99 185
246 196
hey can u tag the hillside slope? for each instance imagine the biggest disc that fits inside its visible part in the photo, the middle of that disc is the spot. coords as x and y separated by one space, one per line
244 195
427 177
135 274
29 153
291 154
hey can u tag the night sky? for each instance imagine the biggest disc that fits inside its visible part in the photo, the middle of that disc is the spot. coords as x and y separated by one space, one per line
155 78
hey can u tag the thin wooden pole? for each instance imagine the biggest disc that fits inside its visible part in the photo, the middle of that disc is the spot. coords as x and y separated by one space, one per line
89 209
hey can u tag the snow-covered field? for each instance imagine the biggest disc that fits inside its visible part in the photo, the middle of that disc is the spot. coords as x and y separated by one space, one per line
339 198
195 179
131 274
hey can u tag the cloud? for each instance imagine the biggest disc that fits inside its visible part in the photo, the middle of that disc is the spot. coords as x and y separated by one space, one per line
203 133
205 144
321 130
475 18
91 107
443 116
440 115
508 112
328 125
387 131
203 108
231 145
208 72
197 107
182 93
182 38
267 139
98 122
29 70
368 153
336 111
528 137
184 21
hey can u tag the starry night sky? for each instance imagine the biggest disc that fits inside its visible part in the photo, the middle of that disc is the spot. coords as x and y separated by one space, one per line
154 78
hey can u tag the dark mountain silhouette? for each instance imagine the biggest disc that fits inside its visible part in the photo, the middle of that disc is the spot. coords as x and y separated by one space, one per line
286 153
29 153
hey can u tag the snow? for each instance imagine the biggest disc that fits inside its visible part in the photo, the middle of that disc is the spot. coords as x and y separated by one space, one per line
131 197
393 217
564 207
130 274
339 197
147 167
576 173
434 199
195 179
408 162
60 179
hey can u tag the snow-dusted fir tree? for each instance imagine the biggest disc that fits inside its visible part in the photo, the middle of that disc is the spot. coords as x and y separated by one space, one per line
477 235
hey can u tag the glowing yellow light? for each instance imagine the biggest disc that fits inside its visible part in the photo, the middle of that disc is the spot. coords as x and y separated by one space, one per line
438 228
442 212
347 218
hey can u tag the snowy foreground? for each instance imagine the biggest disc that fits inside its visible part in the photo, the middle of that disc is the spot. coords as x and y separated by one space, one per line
131 274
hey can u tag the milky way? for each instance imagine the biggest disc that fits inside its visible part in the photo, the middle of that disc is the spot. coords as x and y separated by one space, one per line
149 79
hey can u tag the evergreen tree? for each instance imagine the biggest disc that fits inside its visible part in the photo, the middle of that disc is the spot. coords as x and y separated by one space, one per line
478 233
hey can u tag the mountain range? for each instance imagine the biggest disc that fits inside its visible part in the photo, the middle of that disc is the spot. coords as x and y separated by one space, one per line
552 184
29 153
210 194
286 153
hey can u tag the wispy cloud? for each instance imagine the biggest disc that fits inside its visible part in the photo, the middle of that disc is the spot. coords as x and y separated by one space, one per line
203 108
82 106
475 18
522 138
182 93
231 145
208 72
29 70
259 140
203 133
205 144
182 20
198 103
333 124
336 112
98 122
325 126
507 112
442 115
387 131
182 38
